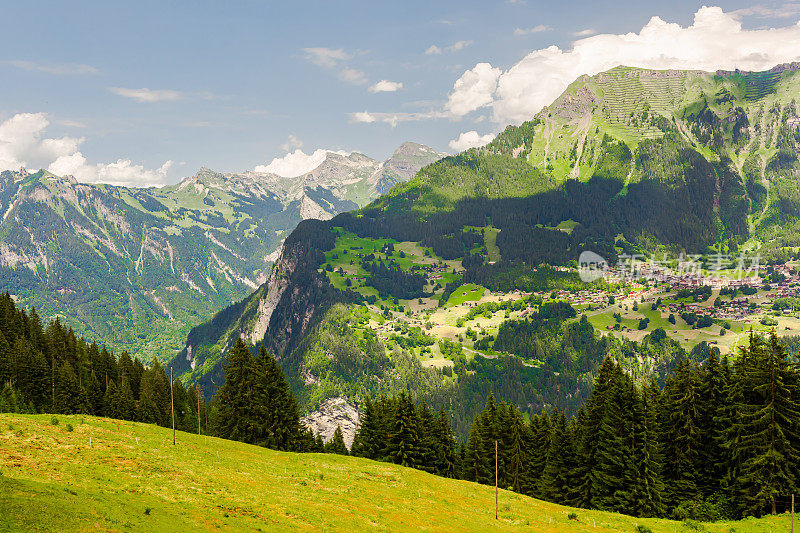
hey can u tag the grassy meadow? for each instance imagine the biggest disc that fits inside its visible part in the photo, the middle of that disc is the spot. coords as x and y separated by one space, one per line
110 475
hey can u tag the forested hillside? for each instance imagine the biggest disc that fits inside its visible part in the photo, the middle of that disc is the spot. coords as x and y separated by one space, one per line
630 161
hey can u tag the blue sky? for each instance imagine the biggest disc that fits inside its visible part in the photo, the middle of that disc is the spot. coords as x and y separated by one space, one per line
232 85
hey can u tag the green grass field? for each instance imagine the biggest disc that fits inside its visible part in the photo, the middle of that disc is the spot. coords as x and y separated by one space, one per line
131 478
469 292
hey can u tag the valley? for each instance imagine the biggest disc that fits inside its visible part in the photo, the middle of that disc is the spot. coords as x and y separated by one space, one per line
445 285
138 268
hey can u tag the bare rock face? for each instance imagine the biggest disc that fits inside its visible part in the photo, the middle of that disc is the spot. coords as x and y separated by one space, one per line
333 412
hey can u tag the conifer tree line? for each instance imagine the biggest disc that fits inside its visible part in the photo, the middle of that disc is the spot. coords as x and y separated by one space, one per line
719 440
50 370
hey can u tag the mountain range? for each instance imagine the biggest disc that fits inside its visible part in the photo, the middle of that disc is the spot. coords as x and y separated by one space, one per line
629 161
137 268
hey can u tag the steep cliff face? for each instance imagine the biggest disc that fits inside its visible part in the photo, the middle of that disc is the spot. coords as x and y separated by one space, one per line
278 315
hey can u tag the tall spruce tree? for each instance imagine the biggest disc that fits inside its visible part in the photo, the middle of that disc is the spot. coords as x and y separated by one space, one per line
769 430
647 489
682 439
713 399
445 461
234 400
404 440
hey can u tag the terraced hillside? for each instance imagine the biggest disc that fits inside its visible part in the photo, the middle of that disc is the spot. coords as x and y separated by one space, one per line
130 476
137 268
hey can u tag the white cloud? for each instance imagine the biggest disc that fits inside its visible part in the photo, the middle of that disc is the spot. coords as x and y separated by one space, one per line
786 10
121 172
386 86
455 47
55 68
145 95
350 75
23 145
470 139
297 163
330 58
393 119
715 40
291 143
458 45
326 57
536 29
473 90
363 116
584 33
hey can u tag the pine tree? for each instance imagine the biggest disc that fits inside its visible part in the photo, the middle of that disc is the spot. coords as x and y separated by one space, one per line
427 434
769 431
274 408
646 492
614 473
6 362
33 376
553 484
682 434
154 398
404 441
518 456
713 396
594 411
364 441
336 444
70 398
541 430
445 464
474 460
234 400
95 395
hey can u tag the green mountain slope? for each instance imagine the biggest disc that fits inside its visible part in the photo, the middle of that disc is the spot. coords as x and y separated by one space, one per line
130 476
137 268
629 161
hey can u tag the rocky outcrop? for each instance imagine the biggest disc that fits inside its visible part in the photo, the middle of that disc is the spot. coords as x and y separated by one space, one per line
333 413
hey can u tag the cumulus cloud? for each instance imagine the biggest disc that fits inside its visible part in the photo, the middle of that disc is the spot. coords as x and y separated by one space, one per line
326 57
23 145
145 95
297 163
55 68
715 40
536 29
433 50
473 90
121 172
386 86
291 143
470 139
